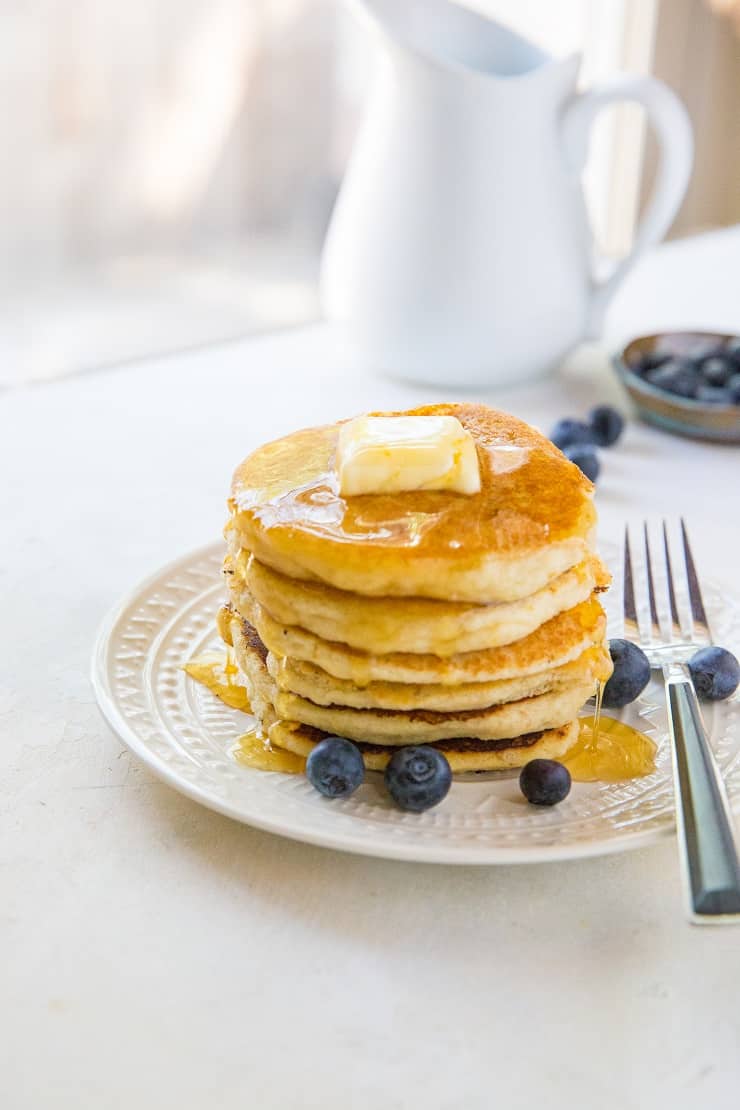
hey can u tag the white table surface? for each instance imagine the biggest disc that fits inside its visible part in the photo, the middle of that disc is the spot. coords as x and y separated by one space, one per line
155 954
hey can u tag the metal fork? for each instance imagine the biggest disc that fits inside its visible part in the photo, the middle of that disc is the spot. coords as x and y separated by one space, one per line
709 857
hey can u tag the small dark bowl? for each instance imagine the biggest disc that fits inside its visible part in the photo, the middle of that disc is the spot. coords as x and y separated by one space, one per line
681 415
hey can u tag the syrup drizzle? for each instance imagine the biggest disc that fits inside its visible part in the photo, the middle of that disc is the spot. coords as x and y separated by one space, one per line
608 750
253 749
217 671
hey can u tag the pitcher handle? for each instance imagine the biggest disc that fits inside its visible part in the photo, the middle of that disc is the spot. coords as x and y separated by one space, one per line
670 121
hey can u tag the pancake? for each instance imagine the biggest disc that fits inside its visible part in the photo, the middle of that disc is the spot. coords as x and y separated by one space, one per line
466 621
224 616
422 726
532 521
553 644
462 754
309 681
398 727
251 656
416 625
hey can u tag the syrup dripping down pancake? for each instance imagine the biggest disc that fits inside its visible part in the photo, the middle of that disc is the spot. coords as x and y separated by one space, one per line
532 520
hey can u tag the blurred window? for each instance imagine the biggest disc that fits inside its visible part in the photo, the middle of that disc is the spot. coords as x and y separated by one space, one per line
171 164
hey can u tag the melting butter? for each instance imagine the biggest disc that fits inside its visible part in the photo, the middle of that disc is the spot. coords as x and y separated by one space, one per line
390 454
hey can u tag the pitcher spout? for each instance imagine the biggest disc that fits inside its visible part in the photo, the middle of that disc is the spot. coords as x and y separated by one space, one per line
452 37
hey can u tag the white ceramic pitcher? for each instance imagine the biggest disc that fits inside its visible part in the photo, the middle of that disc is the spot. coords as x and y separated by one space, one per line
459 251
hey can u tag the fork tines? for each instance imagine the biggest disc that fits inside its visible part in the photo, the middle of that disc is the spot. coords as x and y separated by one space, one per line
694 627
698 611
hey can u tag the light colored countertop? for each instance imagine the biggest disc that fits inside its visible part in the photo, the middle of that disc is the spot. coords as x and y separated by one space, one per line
158 955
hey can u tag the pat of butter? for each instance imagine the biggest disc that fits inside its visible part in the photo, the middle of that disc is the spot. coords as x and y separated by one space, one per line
389 454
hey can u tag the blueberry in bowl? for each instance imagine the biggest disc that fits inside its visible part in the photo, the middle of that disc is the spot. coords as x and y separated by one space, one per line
687 382
678 376
716 371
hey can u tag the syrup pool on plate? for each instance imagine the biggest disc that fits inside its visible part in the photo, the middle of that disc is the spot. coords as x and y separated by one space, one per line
253 749
217 671
608 750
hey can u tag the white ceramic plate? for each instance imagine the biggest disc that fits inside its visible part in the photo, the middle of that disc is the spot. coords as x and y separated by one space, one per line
185 735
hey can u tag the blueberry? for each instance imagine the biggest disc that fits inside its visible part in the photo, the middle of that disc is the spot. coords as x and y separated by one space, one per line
697 349
566 433
716 673
544 782
713 395
677 376
716 370
335 767
732 350
586 458
631 674
651 360
418 778
606 425
733 388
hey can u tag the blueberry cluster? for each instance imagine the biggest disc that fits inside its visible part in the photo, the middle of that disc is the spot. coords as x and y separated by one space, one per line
710 374
417 778
579 439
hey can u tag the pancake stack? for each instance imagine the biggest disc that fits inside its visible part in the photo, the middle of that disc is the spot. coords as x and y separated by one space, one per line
469 622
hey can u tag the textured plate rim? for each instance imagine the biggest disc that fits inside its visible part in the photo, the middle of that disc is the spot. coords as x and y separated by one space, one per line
418 852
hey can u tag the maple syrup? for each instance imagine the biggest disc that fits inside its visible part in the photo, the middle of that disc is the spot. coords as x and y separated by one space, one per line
217 671
608 750
253 749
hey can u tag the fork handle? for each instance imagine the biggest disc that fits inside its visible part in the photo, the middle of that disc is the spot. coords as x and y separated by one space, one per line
705 825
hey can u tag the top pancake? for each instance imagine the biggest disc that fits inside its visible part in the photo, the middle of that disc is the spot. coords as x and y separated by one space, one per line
532 520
